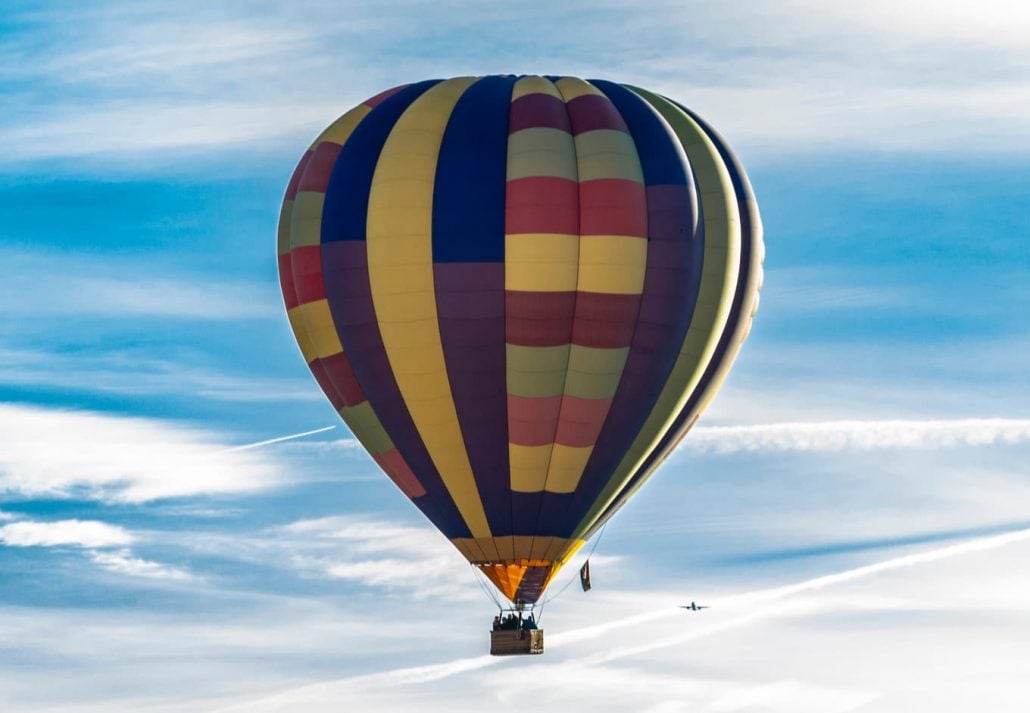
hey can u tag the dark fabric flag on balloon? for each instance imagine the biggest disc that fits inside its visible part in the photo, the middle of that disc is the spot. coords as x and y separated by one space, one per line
584 576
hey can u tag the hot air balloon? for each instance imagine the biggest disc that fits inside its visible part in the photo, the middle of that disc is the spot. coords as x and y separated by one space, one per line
519 293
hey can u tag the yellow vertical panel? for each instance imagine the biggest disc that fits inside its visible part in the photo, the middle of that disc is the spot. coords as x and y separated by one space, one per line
400 266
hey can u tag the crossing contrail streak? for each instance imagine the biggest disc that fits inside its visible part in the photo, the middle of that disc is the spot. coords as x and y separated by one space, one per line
424 674
280 439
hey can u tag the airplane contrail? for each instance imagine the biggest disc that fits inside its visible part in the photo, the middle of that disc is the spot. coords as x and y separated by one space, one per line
280 439
810 585
435 672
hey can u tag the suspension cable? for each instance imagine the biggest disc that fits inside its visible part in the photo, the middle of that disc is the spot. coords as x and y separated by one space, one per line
486 590
573 578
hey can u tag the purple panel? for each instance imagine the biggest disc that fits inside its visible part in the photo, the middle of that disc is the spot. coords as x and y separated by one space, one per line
532 584
345 266
470 309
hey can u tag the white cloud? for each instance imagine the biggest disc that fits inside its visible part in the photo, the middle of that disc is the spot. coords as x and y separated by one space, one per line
51 452
337 445
858 435
80 533
122 562
416 561
775 76
731 674
281 439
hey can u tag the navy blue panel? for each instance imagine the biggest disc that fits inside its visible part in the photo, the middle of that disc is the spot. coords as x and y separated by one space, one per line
346 197
661 157
471 173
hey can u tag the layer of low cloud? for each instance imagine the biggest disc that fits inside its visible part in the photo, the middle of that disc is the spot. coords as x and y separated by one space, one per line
859 435
61 453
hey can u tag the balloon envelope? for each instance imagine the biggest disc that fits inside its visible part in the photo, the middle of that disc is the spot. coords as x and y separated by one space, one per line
519 293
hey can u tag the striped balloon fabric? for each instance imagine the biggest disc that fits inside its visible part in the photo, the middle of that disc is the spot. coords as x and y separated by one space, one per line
519 293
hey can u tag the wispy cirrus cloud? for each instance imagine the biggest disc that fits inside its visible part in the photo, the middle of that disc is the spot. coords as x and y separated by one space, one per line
122 371
64 284
62 453
123 562
239 78
859 435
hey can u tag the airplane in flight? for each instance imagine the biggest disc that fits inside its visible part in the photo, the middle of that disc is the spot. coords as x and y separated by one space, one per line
693 606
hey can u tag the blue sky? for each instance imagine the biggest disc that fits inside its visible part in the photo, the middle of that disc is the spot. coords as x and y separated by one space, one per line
875 421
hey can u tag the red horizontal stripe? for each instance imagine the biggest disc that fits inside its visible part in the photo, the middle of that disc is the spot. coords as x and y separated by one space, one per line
542 204
581 421
341 373
589 112
605 321
536 110
532 421
383 96
286 281
400 473
613 206
321 375
307 273
538 319
320 167
291 187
